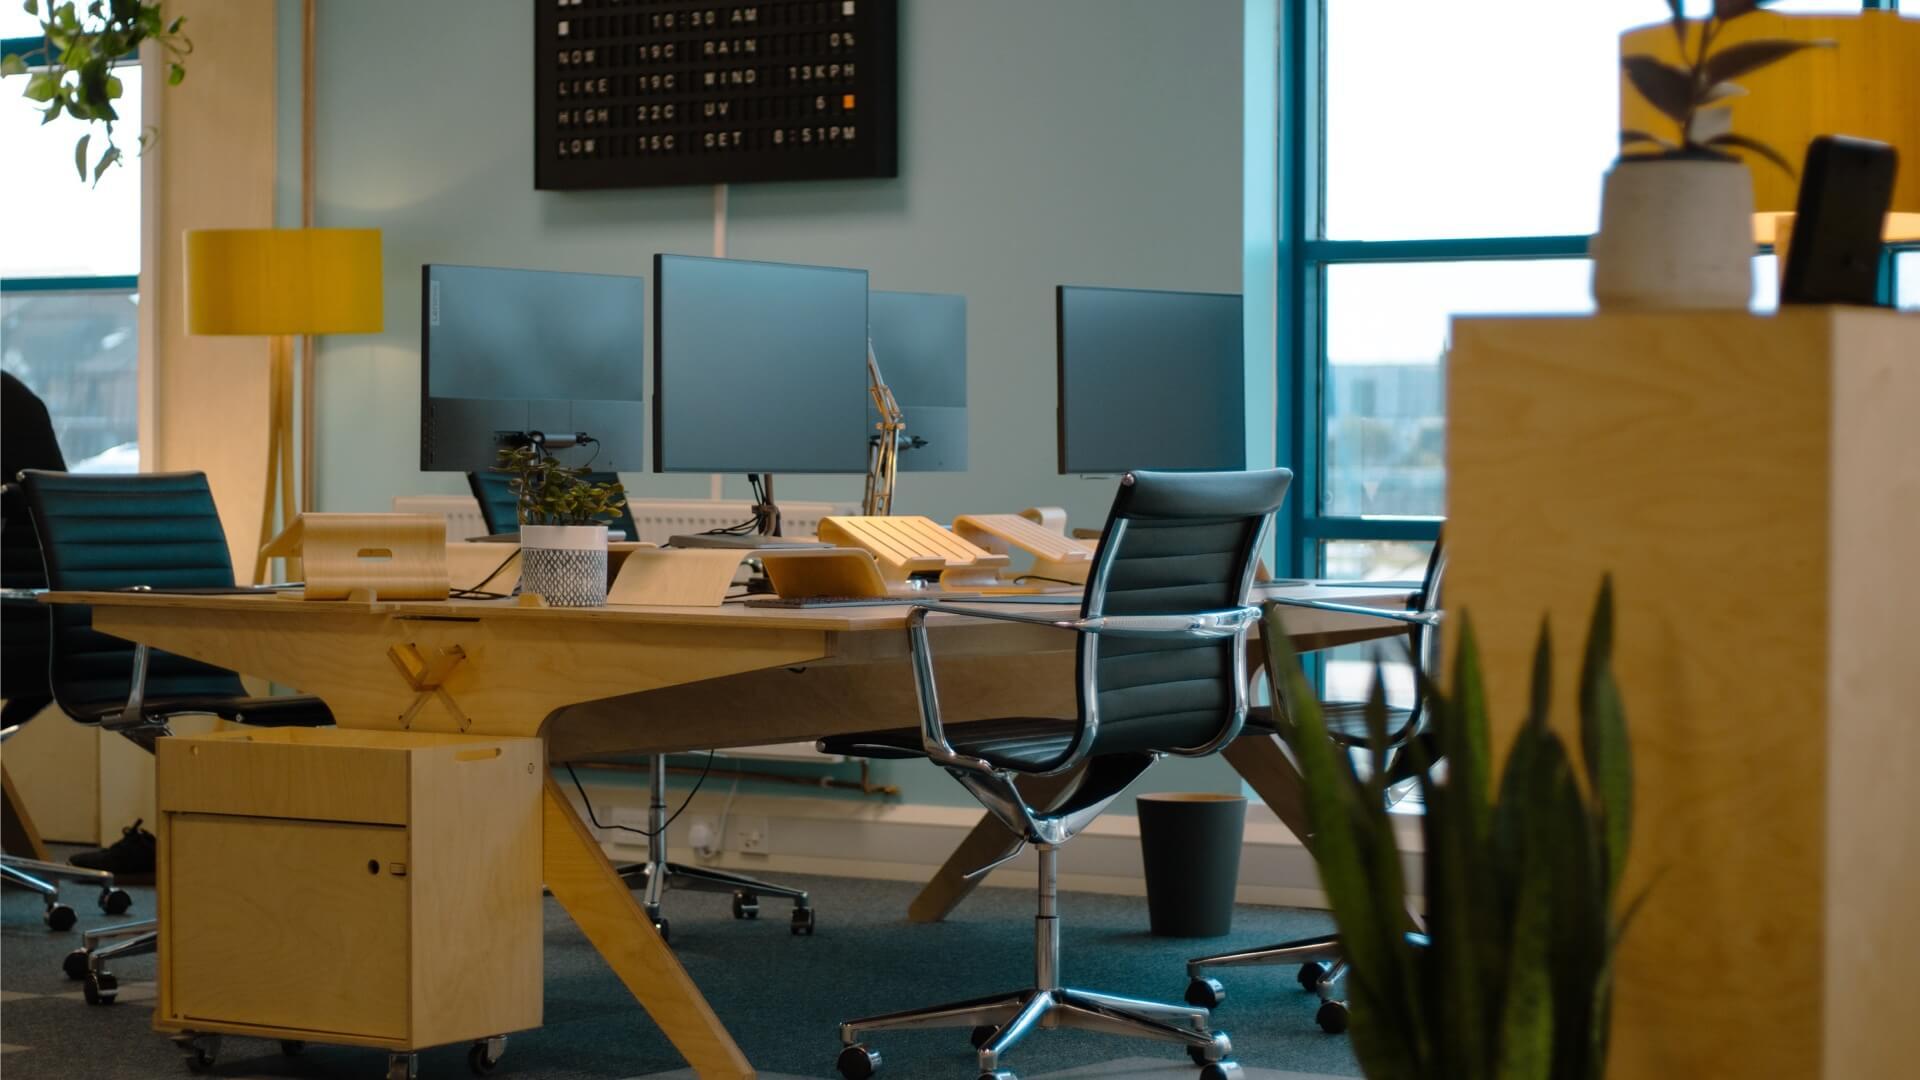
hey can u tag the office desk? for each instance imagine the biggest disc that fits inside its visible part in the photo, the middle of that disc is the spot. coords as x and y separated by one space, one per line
596 681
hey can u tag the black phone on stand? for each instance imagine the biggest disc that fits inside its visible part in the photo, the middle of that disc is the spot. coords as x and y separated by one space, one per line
1834 254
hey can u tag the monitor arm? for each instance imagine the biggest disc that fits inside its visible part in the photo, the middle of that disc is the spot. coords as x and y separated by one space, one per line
883 453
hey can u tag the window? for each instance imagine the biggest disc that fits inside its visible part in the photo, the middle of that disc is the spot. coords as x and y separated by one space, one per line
69 271
1422 178
1906 281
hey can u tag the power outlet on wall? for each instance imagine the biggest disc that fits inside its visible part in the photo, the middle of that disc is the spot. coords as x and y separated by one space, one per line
751 836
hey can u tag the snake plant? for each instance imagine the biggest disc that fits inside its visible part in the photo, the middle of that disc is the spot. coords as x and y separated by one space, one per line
1522 874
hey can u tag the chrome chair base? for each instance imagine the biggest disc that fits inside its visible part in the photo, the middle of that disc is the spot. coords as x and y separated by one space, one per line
45 877
1319 958
657 875
1000 1022
89 962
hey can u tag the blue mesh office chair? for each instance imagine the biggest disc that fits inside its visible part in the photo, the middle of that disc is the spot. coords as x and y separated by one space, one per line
153 531
500 508
1162 670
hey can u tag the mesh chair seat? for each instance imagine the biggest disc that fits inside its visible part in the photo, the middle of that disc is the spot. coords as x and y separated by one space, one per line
252 711
1022 743
1346 721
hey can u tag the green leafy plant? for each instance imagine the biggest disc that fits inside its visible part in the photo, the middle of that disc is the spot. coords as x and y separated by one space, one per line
1685 94
1515 979
72 71
550 493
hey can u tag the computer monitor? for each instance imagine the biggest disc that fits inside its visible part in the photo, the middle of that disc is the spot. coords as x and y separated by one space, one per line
920 346
512 355
758 367
1150 380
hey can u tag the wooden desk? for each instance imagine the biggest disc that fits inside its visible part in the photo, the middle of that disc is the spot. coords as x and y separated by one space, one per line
656 680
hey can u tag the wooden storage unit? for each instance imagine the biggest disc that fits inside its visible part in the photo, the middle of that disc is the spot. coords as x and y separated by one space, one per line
374 888
1753 485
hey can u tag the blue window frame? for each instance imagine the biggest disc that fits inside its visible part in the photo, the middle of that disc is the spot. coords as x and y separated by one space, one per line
1323 514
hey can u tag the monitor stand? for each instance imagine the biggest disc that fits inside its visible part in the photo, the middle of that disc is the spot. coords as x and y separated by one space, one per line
766 525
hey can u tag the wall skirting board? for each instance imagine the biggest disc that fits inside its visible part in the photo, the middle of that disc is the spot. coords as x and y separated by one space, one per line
907 842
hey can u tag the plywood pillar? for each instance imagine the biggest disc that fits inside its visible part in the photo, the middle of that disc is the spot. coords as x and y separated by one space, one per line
1753 484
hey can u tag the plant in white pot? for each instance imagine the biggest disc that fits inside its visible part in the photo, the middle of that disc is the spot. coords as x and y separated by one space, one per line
563 531
1676 219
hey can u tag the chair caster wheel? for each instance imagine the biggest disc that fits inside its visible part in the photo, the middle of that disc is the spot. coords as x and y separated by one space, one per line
1219 1050
60 917
1223 1070
1311 974
1332 1017
75 964
664 929
116 901
100 988
856 1062
200 1050
980 1034
746 905
1206 993
484 1054
999 1074
402 1066
802 924
292 1047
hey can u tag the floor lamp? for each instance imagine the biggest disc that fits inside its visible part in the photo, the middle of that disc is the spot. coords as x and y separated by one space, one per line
282 283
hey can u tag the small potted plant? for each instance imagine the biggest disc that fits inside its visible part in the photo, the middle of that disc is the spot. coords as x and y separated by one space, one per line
1676 219
1514 975
563 531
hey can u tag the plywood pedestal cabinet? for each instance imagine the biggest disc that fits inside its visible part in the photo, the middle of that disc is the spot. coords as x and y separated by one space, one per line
367 888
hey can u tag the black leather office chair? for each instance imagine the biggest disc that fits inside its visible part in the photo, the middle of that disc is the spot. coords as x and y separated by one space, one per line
154 531
1162 670
1321 964
500 508
27 441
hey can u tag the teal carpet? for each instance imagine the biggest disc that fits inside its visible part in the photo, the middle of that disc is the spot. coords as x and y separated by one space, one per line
781 996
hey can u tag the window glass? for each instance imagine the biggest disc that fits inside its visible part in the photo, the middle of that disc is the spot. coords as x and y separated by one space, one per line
1384 398
16 23
1348 671
1906 277
78 351
56 225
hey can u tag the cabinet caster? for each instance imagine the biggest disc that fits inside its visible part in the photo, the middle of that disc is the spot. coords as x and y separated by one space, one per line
1219 1050
76 964
857 1062
980 1034
402 1066
1223 1070
60 917
802 923
484 1054
116 901
200 1050
1206 993
1332 1017
746 905
100 988
292 1047
1311 974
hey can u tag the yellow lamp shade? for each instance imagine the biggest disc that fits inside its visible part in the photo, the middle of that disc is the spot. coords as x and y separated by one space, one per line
283 281
1867 85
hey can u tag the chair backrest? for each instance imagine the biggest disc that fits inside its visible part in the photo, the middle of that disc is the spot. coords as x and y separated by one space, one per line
27 441
501 508
1174 544
1423 643
109 531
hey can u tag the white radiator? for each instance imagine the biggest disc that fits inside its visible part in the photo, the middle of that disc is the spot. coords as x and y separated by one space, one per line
461 511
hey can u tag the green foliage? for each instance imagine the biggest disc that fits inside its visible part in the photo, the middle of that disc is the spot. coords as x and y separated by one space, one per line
1683 93
550 493
72 71
1521 889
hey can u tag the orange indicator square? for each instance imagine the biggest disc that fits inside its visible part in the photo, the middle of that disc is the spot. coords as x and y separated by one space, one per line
846 101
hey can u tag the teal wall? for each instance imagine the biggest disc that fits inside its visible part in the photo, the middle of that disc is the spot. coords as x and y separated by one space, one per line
1042 142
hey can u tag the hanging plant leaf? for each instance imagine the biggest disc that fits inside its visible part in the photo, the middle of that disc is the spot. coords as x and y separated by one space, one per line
1665 87
1737 60
111 156
80 155
1756 146
12 64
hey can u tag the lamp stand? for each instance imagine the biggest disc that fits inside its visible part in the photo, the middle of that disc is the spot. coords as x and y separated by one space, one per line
279 505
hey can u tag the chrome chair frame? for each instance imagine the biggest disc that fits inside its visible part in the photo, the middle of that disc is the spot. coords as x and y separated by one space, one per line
44 878
1001 1021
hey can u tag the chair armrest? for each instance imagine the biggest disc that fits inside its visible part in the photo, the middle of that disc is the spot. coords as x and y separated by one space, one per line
1412 618
1202 625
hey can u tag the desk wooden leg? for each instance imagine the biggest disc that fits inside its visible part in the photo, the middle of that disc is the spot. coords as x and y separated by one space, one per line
989 840
1267 769
584 882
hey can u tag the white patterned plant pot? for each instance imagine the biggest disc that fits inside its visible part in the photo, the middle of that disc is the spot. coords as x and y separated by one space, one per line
565 564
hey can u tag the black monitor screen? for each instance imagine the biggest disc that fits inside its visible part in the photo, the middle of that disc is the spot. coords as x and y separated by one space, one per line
920 345
1150 380
758 367
508 352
